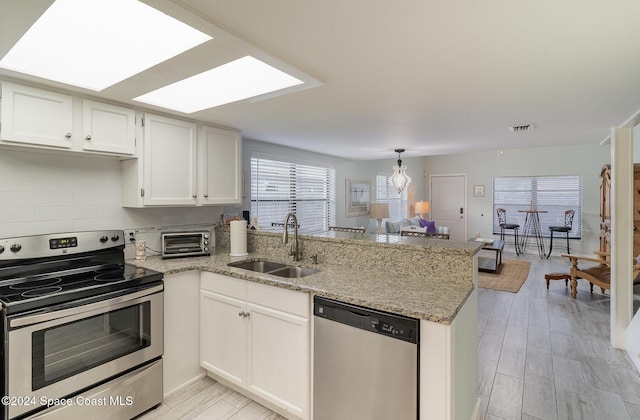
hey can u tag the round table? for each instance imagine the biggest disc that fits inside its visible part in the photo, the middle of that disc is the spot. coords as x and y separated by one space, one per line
532 228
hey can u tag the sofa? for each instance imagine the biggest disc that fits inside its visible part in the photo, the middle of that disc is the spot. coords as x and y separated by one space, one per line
394 227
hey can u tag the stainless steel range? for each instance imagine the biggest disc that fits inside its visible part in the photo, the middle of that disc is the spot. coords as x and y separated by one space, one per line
82 330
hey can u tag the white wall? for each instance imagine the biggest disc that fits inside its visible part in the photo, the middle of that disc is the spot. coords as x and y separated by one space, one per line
46 193
345 169
367 170
49 193
482 167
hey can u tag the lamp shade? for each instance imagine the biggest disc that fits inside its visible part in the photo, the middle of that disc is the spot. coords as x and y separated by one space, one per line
422 207
379 210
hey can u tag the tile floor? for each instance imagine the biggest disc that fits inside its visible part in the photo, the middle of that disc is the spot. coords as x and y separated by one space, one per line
541 356
209 400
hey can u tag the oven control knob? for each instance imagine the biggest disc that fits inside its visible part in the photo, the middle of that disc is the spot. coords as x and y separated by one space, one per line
115 238
15 247
1 249
103 239
206 236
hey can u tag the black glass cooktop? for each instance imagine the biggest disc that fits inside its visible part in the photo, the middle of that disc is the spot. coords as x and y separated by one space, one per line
43 272
37 291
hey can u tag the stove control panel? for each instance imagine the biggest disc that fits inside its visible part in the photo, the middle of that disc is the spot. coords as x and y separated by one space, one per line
58 243
39 246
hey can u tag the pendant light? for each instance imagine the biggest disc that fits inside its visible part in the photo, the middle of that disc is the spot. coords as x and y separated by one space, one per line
400 180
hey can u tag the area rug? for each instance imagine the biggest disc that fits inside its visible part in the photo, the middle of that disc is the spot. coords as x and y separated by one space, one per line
512 276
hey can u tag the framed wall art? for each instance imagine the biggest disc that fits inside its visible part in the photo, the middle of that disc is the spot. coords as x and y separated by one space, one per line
357 197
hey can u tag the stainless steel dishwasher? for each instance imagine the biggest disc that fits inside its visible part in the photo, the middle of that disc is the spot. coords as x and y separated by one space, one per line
365 363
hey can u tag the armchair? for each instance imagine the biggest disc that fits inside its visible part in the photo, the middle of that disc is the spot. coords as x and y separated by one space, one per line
599 274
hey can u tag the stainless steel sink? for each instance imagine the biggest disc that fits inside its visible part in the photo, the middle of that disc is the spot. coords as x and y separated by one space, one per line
274 268
293 272
259 266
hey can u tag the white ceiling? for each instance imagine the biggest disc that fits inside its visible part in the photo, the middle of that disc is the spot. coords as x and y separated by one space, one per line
431 76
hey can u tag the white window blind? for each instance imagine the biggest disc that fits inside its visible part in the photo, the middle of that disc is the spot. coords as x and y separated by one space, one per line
279 187
385 193
553 194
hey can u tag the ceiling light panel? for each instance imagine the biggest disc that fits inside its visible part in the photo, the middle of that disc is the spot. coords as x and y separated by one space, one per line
240 79
94 44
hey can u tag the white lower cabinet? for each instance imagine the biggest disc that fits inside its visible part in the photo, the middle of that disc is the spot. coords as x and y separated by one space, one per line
257 337
181 332
223 349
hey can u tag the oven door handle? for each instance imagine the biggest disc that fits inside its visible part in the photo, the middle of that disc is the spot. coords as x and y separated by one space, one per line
63 313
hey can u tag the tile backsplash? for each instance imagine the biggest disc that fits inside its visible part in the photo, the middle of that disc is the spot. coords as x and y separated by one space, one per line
49 192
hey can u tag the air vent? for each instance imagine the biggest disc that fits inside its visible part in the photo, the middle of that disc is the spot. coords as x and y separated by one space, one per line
519 128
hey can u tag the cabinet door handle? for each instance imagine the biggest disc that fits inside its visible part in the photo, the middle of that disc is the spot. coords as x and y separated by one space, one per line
88 137
195 195
67 136
241 313
206 195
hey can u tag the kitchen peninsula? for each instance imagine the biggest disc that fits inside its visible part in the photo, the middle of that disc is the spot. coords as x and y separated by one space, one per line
429 279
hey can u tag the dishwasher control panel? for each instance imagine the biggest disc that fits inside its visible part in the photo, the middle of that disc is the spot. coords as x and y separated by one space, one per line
391 325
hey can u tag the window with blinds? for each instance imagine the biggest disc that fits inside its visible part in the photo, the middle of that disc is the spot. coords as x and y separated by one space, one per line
279 187
553 194
385 193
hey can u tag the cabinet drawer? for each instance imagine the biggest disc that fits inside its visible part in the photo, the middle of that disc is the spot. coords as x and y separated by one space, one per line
224 285
296 303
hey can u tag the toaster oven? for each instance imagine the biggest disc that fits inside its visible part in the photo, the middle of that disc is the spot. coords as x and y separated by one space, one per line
186 243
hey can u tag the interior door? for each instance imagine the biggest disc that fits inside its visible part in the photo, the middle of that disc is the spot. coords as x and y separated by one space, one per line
449 203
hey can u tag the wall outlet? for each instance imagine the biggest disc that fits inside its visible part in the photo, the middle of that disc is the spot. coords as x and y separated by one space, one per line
130 235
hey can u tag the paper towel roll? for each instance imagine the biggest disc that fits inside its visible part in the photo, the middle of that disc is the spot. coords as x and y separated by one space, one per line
238 238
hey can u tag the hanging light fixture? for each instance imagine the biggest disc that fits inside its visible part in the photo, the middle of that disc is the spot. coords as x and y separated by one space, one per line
400 180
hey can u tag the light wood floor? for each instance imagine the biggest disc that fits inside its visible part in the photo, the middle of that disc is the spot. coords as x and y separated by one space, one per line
207 399
541 356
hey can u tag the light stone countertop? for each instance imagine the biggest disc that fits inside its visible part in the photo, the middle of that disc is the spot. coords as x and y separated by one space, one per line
432 299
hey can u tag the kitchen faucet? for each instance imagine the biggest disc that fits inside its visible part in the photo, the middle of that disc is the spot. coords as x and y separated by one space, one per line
295 249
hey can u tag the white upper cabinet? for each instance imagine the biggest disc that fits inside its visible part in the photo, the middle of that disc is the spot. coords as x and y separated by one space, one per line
108 128
43 119
36 117
221 173
176 167
169 161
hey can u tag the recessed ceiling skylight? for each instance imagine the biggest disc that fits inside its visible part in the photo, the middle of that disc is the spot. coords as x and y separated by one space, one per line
240 79
95 43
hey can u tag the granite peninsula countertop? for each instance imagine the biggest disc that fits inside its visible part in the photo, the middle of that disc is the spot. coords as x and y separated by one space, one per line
432 299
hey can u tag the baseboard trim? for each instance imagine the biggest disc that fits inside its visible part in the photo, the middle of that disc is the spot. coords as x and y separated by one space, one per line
201 375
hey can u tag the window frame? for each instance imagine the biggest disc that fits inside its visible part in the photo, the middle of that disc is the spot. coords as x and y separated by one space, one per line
398 202
302 187
554 200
